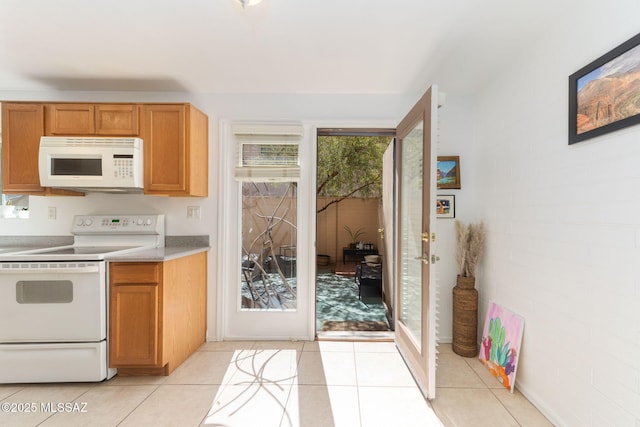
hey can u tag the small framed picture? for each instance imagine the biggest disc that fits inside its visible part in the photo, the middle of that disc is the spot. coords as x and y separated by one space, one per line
448 172
446 206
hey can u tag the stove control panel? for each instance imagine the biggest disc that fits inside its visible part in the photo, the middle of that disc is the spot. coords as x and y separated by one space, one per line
118 224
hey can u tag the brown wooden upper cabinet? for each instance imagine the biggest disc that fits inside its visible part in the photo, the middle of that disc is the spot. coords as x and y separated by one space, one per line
93 119
22 127
175 139
175 150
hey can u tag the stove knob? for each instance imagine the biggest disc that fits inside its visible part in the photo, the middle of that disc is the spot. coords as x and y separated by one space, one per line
139 221
148 221
80 222
88 222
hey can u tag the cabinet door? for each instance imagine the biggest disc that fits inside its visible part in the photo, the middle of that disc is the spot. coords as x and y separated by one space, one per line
133 330
134 315
22 127
165 148
117 119
72 119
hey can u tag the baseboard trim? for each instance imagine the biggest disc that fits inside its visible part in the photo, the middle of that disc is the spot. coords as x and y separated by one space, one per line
541 405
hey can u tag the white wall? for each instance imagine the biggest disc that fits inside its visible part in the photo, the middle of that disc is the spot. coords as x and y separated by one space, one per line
455 139
564 225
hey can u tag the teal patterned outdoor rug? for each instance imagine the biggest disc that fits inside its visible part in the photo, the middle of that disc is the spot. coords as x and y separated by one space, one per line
339 309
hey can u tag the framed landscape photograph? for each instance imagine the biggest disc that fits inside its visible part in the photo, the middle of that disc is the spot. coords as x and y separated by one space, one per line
604 96
446 206
448 172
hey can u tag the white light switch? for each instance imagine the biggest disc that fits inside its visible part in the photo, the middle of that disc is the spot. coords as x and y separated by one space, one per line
193 212
51 214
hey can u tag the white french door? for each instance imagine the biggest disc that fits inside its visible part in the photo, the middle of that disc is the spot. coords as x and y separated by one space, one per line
415 270
265 259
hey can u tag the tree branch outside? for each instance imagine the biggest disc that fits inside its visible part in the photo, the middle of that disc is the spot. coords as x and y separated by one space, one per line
349 166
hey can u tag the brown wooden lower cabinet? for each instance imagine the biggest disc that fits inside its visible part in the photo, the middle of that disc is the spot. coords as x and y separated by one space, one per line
157 313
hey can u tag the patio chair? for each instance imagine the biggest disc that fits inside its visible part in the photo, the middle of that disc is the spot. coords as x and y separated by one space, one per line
369 280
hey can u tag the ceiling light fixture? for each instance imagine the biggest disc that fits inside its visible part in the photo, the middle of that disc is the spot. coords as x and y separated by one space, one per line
246 3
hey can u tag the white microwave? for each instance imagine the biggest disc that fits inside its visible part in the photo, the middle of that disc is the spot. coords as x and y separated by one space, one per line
91 164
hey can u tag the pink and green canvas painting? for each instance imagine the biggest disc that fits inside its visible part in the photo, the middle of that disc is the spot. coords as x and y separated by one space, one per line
500 348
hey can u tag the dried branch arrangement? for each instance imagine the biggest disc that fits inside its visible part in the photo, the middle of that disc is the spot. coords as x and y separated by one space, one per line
462 236
470 247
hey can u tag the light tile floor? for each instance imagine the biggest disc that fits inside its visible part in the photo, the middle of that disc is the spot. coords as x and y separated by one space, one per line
288 384
468 395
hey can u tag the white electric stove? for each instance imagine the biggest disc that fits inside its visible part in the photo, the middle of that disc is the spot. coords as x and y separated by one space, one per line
53 301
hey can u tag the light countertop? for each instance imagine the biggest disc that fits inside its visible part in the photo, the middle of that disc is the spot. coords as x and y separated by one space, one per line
175 247
158 254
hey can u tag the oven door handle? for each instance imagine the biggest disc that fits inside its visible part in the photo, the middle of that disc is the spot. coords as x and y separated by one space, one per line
29 268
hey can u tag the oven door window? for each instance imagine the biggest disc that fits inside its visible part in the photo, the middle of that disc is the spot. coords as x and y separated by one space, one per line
44 291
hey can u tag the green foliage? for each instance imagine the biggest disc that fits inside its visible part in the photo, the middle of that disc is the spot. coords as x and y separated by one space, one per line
499 350
350 165
354 235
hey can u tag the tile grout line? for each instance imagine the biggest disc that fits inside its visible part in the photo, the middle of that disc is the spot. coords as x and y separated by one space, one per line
138 405
505 408
355 368
491 389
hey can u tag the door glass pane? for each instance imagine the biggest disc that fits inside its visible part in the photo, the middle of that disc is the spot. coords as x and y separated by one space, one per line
269 239
410 233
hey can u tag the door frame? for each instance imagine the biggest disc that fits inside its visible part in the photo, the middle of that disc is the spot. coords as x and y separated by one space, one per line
353 130
298 324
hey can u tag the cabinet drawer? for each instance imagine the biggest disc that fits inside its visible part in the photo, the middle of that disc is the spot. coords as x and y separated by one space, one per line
123 273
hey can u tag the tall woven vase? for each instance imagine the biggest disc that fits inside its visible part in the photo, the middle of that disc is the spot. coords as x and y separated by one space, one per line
465 317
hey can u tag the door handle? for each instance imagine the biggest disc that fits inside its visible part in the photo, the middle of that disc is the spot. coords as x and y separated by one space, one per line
424 259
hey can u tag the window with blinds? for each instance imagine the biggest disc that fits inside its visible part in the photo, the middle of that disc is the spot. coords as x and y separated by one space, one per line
267 153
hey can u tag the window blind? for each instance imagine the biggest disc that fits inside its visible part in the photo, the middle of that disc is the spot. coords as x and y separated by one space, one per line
267 152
